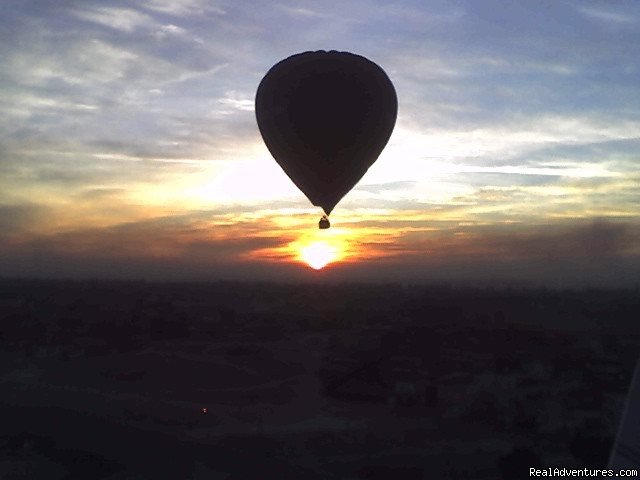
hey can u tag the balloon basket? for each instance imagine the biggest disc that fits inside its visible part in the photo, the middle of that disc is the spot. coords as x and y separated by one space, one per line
323 224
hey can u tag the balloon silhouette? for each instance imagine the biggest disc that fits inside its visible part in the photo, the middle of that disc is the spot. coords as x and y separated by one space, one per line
326 117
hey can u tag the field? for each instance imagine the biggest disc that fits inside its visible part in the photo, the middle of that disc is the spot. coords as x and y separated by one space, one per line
135 380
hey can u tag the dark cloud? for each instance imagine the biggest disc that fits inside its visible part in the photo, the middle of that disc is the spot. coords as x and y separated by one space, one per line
195 246
15 219
92 194
571 254
588 241
202 245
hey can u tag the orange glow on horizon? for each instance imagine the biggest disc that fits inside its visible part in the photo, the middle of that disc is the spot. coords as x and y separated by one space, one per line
339 245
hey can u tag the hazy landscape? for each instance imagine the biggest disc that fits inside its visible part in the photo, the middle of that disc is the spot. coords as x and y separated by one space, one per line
132 380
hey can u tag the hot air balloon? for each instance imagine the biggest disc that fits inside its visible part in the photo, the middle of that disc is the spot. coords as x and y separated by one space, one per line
326 117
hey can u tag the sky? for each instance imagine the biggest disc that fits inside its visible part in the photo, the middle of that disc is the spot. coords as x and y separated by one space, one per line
129 146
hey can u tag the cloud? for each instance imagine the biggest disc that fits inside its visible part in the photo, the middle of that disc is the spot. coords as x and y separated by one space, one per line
124 19
235 101
184 8
508 141
304 12
91 194
608 16
385 187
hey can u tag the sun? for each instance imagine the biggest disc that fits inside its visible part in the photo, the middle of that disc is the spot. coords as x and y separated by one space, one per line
319 248
319 254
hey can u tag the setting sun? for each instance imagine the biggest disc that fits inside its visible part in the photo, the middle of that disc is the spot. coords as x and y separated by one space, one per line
318 254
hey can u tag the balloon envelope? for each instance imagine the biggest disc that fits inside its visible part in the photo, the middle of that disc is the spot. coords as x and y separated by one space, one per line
326 117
